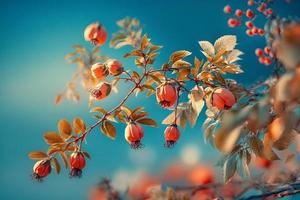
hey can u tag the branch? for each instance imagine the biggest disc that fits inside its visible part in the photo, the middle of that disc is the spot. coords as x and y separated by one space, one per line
137 84
278 190
281 191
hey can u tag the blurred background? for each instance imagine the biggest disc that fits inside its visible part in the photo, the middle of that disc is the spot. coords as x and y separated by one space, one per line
36 35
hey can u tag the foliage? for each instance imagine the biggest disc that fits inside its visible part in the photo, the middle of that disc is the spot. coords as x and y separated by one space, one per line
260 120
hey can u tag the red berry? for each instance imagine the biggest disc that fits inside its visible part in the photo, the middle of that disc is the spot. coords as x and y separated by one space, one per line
261 32
249 24
238 12
267 50
262 163
232 22
250 13
249 32
41 169
166 95
115 68
269 11
133 134
250 3
267 61
254 30
95 33
262 7
259 52
77 163
172 134
77 160
223 99
227 9
101 91
261 60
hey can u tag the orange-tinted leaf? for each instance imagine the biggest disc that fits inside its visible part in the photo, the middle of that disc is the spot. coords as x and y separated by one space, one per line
37 155
52 137
56 165
177 55
79 125
64 157
147 121
64 128
108 129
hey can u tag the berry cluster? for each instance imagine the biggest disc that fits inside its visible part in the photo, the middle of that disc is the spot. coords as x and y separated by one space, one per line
43 168
264 56
236 19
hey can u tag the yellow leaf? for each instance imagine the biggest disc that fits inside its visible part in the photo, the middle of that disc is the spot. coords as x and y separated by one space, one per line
183 74
144 42
99 109
226 42
137 53
225 140
207 47
177 55
197 64
181 64
126 110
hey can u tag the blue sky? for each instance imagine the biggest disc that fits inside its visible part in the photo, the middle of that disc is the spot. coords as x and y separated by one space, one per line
35 36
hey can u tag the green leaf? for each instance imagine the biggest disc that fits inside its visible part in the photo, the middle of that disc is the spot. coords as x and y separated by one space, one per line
229 168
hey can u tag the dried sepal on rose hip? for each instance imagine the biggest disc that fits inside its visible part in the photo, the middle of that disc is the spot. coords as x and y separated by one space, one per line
115 68
77 163
223 99
95 33
101 91
41 169
99 71
166 95
134 134
172 134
